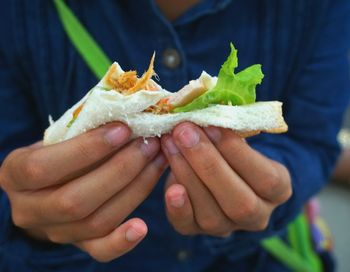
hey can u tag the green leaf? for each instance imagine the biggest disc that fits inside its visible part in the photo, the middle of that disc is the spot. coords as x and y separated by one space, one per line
231 88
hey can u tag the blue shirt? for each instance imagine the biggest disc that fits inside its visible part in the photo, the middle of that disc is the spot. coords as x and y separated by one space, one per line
302 46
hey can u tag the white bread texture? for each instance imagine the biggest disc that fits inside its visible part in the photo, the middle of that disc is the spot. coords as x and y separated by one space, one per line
101 107
246 120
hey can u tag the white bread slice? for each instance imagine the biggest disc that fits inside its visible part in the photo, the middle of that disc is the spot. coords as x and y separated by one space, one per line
246 120
100 109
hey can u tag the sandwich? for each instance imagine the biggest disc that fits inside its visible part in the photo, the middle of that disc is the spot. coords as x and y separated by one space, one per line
226 100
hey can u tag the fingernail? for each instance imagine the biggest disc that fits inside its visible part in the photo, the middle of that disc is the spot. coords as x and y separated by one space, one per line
160 161
116 135
188 136
171 146
177 201
213 133
149 146
132 235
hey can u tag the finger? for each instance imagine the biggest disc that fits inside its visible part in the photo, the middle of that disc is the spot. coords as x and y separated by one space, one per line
179 209
269 179
120 241
208 215
42 167
114 211
81 197
36 145
235 197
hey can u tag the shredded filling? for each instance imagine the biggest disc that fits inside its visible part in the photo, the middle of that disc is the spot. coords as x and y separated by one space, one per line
127 83
161 107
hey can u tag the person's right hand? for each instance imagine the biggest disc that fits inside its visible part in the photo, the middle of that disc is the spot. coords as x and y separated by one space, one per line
80 191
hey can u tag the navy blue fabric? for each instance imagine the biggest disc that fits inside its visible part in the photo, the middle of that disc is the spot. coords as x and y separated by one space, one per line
302 46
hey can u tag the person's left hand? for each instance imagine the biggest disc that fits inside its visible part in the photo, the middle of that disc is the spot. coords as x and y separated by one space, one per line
218 183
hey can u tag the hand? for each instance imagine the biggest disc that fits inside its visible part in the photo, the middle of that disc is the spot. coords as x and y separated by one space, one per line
80 191
220 185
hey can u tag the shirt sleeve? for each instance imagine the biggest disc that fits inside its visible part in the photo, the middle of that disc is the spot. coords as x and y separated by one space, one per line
17 119
21 126
313 110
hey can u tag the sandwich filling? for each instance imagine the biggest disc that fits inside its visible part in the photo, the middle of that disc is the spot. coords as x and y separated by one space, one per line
125 83
228 88
128 83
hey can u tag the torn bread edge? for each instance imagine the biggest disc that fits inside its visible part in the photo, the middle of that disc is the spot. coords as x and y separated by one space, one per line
245 120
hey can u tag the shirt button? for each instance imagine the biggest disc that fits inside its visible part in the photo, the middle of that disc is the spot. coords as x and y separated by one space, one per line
171 58
183 255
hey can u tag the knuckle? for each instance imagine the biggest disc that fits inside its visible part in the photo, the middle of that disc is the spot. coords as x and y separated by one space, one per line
56 238
33 169
11 158
288 192
7 163
98 226
70 207
9 171
272 183
261 225
285 195
281 185
209 225
4 180
245 212
274 180
183 230
287 188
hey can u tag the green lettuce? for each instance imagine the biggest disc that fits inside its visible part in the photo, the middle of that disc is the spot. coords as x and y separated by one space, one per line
231 88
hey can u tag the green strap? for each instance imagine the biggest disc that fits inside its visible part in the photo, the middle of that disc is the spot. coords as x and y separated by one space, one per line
87 47
293 237
300 237
300 255
285 254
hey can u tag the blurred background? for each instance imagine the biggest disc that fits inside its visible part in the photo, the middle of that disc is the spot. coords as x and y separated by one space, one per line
335 201
335 208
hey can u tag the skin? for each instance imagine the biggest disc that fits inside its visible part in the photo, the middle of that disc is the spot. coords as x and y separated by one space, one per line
219 184
172 9
81 191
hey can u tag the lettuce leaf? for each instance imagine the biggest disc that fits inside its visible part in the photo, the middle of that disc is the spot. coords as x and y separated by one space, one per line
231 88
